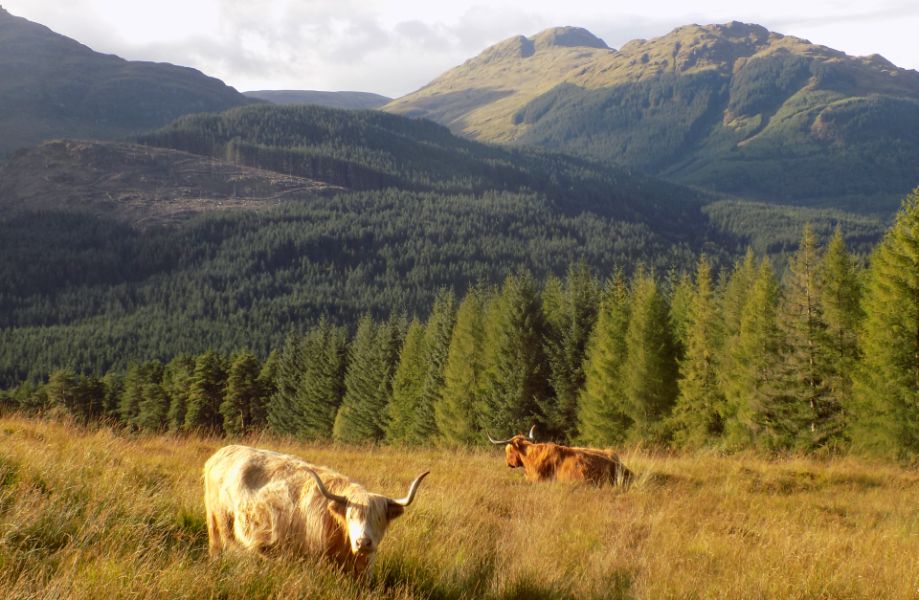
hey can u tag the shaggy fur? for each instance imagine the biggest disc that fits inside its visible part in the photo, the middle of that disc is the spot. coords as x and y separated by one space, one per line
548 462
262 500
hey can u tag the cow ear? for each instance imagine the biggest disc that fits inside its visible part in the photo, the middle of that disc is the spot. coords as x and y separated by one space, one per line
338 508
394 510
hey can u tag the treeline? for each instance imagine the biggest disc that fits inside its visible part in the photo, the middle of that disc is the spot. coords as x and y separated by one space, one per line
822 360
81 292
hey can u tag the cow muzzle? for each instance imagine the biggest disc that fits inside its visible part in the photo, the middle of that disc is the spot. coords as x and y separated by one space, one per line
363 546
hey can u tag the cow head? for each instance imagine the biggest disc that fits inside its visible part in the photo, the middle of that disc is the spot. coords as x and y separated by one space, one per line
516 448
366 516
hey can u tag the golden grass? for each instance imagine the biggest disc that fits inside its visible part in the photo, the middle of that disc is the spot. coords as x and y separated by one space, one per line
97 514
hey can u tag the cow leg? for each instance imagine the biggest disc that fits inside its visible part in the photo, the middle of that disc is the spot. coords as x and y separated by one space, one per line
214 543
220 531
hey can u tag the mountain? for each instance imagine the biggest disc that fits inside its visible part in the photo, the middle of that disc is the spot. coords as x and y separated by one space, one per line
733 108
346 100
52 86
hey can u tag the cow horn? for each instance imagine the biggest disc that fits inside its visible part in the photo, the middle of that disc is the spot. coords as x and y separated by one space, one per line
325 492
411 491
498 441
530 435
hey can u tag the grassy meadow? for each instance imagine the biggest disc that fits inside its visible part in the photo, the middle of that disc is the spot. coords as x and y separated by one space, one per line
92 513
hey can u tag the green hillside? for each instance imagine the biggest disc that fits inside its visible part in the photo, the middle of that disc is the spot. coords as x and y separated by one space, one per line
52 86
111 252
733 108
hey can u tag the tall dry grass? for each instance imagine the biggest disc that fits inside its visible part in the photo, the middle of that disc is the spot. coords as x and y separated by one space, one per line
97 514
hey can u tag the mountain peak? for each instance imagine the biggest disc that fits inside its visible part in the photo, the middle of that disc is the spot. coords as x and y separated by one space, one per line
567 37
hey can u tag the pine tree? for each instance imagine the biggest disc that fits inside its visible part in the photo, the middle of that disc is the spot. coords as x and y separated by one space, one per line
243 395
681 301
700 407
322 385
602 417
177 376
887 383
208 385
514 382
571 311
840 297
734 296
813 415
282 417
153 407
91 392
408 386
755 408
62 393
112 384
132 392
649 375
368 382
437 334
455 410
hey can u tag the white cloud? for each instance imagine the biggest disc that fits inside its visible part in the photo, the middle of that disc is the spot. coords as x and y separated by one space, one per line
392 47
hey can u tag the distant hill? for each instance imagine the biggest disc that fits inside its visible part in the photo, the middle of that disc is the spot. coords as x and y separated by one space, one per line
367 150
733 108
52 86
345 100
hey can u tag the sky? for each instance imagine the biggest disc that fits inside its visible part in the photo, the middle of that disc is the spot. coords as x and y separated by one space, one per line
394 47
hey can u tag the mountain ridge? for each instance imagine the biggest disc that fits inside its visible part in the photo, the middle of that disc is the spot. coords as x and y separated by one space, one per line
729 107
52 86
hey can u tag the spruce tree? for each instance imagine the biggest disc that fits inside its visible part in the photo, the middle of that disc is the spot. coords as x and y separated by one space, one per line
736 290
208 386
886 416
455 410
153 408
63 393
571 311
368 382
437 333
649 375
282 417
91 391
840 297
813 415
132 391
177 376
698 415
754 404
515 379
602 416
243 395
112 384
681 301
321 386
408 386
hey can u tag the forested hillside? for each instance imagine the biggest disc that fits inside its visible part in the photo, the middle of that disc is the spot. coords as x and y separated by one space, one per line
105 260
822 358
732 107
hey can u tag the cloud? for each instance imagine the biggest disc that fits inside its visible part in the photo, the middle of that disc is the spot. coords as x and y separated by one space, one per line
395 47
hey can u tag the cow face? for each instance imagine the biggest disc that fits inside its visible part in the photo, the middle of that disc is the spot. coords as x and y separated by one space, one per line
366 518
515 450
